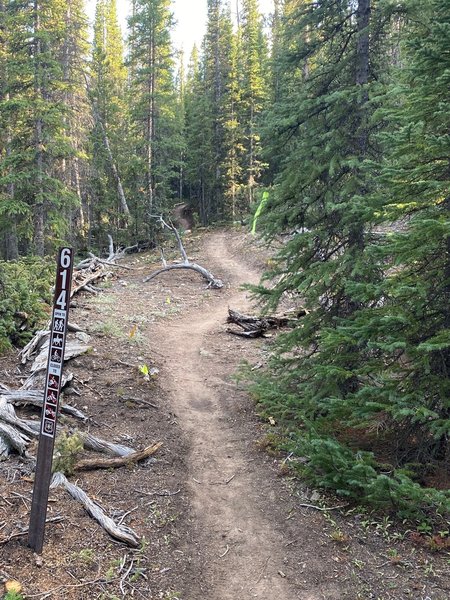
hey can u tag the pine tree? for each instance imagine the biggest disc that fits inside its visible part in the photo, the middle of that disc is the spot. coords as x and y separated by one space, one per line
254 93
409 325
107 95
154 108
37 119
324 127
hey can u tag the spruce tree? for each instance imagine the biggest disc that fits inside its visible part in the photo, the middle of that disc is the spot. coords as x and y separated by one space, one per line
157 140
108 99
37 119
254 93
197 139
408 324
212 97
324 126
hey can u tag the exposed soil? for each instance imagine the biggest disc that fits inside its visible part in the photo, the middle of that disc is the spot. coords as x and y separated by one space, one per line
221 517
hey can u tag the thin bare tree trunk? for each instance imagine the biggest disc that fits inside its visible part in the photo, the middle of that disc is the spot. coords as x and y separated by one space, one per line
38 208
11 242
151 123
114 169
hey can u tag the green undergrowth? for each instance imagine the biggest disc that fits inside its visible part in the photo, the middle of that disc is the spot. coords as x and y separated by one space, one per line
25 295
323 458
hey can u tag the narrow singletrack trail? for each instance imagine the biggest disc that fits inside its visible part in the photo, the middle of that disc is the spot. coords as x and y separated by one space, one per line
242 554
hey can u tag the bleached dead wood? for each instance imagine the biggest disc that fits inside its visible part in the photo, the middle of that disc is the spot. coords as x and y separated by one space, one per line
14 438
34 345
40 338
90 464
119 532
213 282
73 348
36 381
88 275
91 442
8 415
36 398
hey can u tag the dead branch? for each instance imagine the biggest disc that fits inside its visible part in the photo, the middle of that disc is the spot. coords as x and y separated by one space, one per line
8 415
14 438
91 464
119 532
212 281
139 401
98 445
25 531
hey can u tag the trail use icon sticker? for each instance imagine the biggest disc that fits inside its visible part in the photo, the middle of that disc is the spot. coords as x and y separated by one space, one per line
57 343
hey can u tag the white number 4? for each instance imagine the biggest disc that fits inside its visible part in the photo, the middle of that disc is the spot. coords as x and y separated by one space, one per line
62 300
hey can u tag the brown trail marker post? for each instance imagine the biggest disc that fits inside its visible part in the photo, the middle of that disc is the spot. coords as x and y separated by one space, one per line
57 344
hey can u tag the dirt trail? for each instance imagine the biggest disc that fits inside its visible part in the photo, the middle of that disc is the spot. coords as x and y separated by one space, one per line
242 552
220 516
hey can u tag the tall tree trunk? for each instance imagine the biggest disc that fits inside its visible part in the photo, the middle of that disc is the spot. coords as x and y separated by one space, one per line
362 64
361 79
115 171
11 241
38 208
151 122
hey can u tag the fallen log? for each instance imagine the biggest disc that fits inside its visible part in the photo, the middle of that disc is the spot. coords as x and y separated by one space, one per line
212 281
36 398
90 464
98 445
8 415
14 438
186 264
119 532
35 344
39 339
73 349
253 327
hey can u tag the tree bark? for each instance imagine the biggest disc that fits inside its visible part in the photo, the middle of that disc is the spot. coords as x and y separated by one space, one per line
38 208
90 464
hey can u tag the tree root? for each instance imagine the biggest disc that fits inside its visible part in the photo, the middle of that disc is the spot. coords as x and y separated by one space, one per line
119 532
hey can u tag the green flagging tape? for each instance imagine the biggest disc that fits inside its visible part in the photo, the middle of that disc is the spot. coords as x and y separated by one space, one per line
262 204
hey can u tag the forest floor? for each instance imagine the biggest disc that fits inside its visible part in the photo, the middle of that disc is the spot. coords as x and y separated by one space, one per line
221 516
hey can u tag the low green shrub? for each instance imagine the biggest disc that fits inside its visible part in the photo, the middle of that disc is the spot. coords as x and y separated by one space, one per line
25 295
329 463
